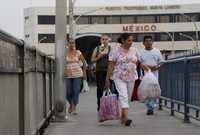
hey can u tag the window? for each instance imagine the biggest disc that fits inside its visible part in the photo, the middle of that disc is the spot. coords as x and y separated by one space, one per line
183 18
146 19
140 36
27 36
164 37
26 18
82 20
113 20
195 17
127 19
48 19
185 36
46 38
164 19
114 37
97 20
192 17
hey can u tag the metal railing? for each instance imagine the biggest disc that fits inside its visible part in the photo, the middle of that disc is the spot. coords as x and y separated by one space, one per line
180 84
26 87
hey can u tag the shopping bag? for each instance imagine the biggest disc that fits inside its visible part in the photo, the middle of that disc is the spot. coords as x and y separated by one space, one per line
134 96
109 108
149 87
85 87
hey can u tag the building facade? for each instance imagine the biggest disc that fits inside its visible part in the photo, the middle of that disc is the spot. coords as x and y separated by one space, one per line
173 27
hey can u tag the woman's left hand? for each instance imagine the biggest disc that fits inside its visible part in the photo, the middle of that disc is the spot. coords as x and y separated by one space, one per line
84 77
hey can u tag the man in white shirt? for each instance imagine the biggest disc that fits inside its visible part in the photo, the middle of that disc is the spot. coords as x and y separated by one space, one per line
152 58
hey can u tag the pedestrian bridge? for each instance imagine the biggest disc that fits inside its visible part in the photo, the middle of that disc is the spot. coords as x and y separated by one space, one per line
27 98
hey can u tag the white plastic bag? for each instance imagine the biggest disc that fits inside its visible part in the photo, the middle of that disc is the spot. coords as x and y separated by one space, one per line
149 87
85 86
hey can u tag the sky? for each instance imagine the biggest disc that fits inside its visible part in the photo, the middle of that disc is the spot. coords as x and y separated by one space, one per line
11 11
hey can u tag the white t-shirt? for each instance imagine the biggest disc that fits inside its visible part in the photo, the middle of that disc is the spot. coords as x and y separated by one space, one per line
151 57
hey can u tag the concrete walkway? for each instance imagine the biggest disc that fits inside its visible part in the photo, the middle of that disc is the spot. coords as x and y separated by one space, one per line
85 123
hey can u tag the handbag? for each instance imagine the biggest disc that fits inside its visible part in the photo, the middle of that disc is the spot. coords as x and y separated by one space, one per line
85 86
135 96
109 108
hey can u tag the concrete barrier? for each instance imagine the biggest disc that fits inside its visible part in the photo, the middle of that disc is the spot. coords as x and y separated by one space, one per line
26 87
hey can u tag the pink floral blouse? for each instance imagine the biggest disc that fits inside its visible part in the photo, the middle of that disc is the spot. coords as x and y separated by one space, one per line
125 67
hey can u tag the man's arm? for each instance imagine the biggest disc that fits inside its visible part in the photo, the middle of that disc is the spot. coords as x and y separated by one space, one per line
159 63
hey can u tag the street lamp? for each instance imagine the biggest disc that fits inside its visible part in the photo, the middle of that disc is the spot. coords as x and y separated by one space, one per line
172 39
196 28
187 36
88 12
72 22
85 13
82 28
42 39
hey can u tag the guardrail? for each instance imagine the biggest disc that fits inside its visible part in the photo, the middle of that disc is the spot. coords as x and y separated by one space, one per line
180 84
26 87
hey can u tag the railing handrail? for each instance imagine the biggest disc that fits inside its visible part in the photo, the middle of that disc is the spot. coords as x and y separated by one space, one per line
8 37
182 58
25 66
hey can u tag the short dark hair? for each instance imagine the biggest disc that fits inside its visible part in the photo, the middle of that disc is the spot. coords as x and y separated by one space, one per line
68 39
123 36
147 37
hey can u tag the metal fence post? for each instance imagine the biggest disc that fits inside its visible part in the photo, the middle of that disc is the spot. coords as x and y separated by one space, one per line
186 91
160 100
160 104
21 91
51 85
171 91
44 89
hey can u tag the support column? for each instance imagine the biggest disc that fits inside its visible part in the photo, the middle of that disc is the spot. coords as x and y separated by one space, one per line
60 37
71 19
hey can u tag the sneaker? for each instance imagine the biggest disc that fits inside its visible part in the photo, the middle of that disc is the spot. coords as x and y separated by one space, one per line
149 112
155 106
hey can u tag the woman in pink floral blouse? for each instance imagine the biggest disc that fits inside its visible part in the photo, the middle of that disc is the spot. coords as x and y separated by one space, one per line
122 68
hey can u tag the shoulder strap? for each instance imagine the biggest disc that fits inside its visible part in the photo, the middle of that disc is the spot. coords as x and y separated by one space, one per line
97 52
78 53
109 48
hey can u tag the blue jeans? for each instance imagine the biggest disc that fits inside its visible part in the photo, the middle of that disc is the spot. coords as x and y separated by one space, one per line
73 87
151 103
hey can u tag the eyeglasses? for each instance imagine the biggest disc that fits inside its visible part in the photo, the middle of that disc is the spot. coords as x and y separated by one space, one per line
104 39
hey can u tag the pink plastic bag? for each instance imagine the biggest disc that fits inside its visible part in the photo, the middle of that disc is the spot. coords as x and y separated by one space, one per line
109 108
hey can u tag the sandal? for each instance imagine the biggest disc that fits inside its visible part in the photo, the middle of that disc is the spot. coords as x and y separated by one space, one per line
128 122
74 113
70 109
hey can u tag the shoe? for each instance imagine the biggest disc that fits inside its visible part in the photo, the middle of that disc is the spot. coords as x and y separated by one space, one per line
128 122
150 112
